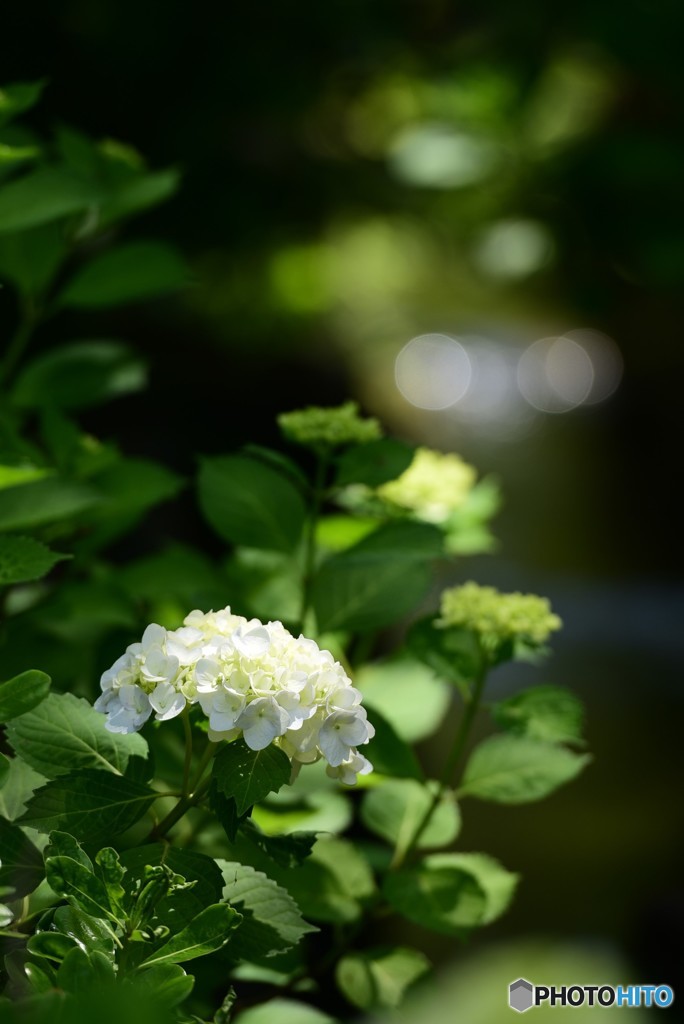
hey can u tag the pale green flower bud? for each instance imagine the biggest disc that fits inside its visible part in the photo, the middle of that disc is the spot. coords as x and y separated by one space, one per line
323 428
501 617
433 486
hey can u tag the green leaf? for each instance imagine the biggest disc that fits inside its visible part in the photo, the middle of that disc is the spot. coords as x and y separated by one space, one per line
407 694
19 97
43 501
66 733
378 580
20 783
51 945
548 713
394 810
23 693
167 984
250 775
289 850
250 503
208 932
516 770
110 871
387 752
374 463
332 884
91 805
4 770
380 978
61 844
193 866
324 811
21 864
271 922
284 1011
139 192
45 195
78 884
452 654
79 972
89 932
129 273
451 892
78 375
30 259
23 559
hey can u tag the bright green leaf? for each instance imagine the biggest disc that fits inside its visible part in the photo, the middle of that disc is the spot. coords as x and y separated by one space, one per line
407 694
208 932
380 978
167 984
250 775
515 769
91 805
394 810
250 503
23 693
129 273
19 785
284 1011
65 733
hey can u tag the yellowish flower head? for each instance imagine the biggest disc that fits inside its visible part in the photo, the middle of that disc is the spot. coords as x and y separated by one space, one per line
433 486
486 611
318 427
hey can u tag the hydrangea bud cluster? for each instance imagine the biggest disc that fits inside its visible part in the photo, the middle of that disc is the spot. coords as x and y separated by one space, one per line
490 613
251 680
433 486
324 428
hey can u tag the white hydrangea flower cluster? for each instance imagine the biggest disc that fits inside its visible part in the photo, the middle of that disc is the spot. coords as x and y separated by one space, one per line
251 680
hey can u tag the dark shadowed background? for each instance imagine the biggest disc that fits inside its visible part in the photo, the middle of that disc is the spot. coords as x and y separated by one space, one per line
360 174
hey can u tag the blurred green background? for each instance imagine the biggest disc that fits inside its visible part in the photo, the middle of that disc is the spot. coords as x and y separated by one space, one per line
357 175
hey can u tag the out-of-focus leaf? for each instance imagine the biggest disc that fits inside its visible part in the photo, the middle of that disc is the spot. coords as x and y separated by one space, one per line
139 192
44 501
45 195
544 713
378 580
284 1011
407 693
250 503
167 984
128 273
387 752
395 809
19 785
19 97
24 558
78 375
23 693
380 978
21 864
512 769
374 463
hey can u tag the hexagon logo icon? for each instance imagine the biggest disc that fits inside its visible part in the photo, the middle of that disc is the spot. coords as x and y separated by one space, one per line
521 995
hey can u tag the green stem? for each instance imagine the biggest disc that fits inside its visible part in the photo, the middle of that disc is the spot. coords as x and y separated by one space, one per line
310 538
177 812
19 342
451 764
187 729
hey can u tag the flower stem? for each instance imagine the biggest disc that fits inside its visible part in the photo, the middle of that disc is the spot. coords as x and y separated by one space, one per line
190 796
451 764
187 729
310 538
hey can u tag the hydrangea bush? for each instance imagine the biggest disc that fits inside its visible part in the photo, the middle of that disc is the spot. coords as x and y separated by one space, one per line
203 811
